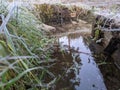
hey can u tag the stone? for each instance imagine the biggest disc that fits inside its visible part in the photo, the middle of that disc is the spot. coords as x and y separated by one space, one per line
48 28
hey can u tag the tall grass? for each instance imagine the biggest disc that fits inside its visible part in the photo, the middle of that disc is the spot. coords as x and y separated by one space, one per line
24 51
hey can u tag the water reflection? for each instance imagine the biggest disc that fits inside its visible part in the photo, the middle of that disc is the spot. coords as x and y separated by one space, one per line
67 65
76 65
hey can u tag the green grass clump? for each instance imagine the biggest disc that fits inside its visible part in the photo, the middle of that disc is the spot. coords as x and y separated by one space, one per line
23 50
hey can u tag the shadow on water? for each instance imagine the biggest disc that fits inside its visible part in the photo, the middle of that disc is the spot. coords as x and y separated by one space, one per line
75 65
107 66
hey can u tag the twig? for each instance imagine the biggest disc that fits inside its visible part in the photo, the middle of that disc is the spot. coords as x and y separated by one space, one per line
105 29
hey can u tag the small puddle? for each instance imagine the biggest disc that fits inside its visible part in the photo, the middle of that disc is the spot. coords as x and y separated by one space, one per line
76 65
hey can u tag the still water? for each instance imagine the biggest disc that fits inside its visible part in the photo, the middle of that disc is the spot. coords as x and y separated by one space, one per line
76 65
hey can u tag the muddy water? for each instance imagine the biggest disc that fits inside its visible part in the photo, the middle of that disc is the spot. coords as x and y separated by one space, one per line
76 65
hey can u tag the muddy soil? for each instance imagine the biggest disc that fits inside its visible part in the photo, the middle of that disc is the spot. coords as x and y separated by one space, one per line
107 66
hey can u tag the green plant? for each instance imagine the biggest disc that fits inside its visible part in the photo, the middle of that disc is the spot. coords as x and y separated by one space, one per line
24 47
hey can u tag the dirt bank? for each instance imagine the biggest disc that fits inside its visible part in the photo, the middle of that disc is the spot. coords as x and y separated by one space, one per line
73 27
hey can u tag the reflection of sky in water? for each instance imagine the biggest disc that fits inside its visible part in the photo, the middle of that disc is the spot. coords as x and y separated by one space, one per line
90 76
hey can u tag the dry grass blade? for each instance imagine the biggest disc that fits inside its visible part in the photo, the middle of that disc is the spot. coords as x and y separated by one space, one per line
17 57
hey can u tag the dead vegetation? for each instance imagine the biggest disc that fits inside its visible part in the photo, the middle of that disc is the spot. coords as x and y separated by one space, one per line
59 14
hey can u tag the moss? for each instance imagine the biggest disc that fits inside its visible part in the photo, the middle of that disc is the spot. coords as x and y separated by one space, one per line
97 34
